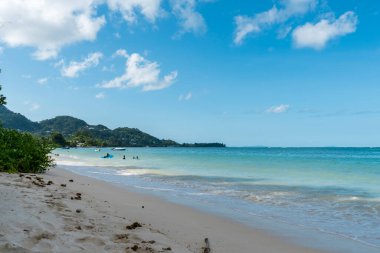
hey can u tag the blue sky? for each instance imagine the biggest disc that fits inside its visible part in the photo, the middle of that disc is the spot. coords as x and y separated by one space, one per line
246 73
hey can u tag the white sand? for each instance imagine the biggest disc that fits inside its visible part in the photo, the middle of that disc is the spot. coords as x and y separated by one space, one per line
44 219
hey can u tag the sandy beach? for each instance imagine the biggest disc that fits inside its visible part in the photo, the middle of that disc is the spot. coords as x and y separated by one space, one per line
79 214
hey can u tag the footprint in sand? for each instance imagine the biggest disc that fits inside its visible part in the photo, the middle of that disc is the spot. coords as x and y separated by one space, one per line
120 238
92 240
40 241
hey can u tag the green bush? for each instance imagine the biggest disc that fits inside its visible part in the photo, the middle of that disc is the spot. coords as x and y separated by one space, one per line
23 152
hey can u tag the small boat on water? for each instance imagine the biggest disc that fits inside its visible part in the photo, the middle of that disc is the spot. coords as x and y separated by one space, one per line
119 149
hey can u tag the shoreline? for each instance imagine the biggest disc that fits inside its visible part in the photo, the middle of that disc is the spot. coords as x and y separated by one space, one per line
111 208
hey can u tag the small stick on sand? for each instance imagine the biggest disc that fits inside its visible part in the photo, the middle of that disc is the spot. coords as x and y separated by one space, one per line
207 248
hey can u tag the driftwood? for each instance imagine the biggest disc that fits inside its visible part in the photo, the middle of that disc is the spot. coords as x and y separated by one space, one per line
207 248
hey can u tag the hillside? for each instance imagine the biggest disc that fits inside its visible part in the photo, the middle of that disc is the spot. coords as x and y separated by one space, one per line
77 131
9 119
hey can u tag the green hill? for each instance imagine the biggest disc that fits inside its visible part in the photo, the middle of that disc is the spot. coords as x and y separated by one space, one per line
78 132
16 121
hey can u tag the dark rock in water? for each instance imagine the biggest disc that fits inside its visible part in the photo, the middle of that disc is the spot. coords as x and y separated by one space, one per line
63 185
135 247
142 207
134 225
78 211
29 178
21 175
50 182
168 248
71 180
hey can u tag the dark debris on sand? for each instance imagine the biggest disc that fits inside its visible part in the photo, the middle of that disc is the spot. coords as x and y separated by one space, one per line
134 225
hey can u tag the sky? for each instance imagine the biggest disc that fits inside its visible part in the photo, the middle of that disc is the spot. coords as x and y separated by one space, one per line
245 73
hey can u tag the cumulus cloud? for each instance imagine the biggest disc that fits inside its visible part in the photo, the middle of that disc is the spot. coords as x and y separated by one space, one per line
75 67
317 35
246 25
42 81
278 108
140 73
48 25
100 95
128 8
190 20
185 97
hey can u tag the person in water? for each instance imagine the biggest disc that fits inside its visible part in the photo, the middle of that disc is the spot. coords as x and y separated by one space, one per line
107 155
123 157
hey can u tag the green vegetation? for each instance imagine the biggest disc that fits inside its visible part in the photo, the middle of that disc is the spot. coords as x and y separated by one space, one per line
70 131
16 121
23 152
58 140
2 98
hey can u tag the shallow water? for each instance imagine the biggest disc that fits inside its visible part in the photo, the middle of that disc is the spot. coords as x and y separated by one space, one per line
326 191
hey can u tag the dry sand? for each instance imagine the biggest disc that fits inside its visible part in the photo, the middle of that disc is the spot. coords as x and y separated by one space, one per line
55 218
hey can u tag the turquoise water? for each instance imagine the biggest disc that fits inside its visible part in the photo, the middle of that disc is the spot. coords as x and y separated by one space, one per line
325 191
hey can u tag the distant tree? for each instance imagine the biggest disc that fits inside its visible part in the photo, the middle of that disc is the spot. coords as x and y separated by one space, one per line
2 98
58 139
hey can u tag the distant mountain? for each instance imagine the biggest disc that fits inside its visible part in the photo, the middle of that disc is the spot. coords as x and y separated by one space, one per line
79 132
65 125
9 119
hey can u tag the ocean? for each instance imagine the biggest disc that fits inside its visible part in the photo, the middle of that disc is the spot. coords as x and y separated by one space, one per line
322 197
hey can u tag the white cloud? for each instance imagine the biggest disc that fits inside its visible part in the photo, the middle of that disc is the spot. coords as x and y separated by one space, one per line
278 108
121 52
74 67
48 25
140 72
42 81
189 19
246 25
32 106
128 8
185 97
100 95
317 35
